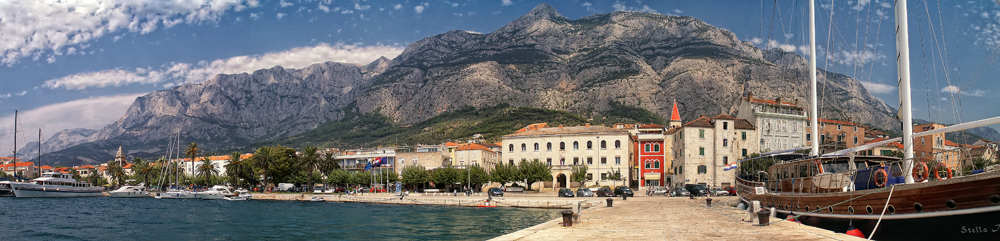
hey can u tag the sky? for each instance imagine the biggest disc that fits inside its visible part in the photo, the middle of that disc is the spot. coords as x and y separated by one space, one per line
80 64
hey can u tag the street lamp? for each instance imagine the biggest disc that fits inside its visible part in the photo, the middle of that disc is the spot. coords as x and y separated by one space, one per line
599 161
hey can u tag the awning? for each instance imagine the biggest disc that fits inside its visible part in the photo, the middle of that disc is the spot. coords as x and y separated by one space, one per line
651 176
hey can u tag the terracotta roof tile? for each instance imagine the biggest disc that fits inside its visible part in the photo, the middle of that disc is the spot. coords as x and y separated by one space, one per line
473 146
744 124
19 164
700 122
451 144
724 117
650 126
673 130
949 143
674 115
570 130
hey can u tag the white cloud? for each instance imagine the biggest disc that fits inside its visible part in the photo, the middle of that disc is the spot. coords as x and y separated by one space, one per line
860 5
507 2
618 6
91 113
180 73
786 47
361 7
418 9
33 27
454 5
397 6
281 15
5 96
587 5
254 16
678 11
878 88
855 57
22 93
283 4
886 4
955 90
324 8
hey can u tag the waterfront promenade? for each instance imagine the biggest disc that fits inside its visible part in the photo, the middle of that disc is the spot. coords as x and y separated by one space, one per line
662 218
548 200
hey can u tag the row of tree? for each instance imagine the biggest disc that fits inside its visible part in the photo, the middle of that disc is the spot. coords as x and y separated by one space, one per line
475 176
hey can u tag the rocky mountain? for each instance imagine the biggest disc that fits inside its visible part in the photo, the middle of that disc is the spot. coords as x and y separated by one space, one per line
59 141
541 60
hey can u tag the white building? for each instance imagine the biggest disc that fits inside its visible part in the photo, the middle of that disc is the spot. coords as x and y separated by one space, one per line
602 149
781 125
703 147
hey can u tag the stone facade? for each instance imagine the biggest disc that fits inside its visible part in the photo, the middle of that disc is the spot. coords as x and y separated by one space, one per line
476 154
838 135
704 146
781 125
602 149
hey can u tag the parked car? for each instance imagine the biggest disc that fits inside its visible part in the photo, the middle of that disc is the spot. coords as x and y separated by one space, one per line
731 190
565 192
720 192
495 192
696 189
584 192
660 191
623 190
680 192
605 192
285 187
340 189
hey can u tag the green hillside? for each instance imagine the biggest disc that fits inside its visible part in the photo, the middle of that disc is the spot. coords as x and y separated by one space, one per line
373 129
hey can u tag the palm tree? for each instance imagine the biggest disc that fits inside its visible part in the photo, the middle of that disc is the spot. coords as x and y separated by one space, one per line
309 161
116 173
328 165
235 167
192 152
207 169
263 159
142 169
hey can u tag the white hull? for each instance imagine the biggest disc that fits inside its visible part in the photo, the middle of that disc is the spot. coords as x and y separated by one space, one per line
129 194
175 195
5 190
209 195
32 190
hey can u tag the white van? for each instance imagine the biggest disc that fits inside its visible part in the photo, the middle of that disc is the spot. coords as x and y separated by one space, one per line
284 187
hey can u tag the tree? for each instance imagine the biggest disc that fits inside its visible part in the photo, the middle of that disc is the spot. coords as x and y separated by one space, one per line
263 159
143 170
309 161
116 173
192 152
235 168
579 174
339 176
328 165
534 171
446 175
504 173
361 178
96 179
207 170
474 177
415 174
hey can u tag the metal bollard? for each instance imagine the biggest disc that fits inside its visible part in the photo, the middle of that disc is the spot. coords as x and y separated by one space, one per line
567 218
610 201
624 197
762 216
708 202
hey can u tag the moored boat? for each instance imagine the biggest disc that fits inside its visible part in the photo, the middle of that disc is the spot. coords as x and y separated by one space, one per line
55 184
214 193
129 191
5 189
175 194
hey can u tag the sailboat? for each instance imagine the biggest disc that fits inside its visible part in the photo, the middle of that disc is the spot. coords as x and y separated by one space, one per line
886 198
173 192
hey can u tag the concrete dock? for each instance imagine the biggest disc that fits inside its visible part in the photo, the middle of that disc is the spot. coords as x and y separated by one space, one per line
663 218
528 201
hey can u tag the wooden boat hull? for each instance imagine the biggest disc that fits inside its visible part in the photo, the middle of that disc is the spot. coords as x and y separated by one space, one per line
966 208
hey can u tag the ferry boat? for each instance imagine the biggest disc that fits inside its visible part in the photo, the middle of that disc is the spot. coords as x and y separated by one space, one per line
130 191
55 184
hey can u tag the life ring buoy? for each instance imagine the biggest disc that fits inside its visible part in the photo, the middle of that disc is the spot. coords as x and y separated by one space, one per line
920 172
937 173
881 181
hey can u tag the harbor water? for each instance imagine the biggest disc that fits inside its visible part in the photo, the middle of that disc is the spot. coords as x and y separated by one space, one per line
104 218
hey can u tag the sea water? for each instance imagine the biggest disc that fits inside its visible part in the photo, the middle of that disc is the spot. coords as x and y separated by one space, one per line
105 218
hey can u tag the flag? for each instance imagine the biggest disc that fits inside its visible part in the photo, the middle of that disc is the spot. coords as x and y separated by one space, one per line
731 166
368 166
377 161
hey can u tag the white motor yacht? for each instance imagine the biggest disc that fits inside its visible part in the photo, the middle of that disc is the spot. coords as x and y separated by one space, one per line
130 191
175 194
239 195
216 192
55 184
5 189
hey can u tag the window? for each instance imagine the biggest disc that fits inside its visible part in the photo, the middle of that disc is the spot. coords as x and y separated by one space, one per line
701 151
511 161
576 145
590 161
590 176
536 146
656 147
701 134
656 164
618 144
604 176
744 152
562 146
604 160
548 161
725 142
744 135
548 146
590 145
855 140
649 165
562 161
838 127
647 147
604 145
725 160
725 125
808 137
855 129
618 160
414 161
511 147
680 170
922 142
576 161
840 138
524 147
702 169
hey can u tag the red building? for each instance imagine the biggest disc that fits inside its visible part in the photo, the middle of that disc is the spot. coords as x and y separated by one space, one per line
650 155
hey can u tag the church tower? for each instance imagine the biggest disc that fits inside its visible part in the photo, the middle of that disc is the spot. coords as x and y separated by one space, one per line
120 158
675 117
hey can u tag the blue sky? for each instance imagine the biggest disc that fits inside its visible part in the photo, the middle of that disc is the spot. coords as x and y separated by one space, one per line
78 64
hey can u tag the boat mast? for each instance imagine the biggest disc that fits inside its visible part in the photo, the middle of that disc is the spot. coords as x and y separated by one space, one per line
39 152
903 69
15 143
814 113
